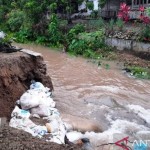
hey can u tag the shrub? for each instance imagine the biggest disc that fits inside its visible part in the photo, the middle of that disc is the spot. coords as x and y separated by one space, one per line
41 40
15 20
124 12
95 24
139 72
119 24
94 40
145 34
55 35
23 35
86 44
148 11
72 34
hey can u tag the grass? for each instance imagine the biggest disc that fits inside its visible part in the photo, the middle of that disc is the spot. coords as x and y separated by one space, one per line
139 72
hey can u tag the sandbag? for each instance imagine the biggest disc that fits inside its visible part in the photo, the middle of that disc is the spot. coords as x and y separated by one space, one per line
57 129
47 101
19 113
40 86
36 85
44 111
35 97
29 99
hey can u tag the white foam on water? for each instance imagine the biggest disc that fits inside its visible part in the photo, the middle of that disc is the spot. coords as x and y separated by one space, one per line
140 111
118 126
74 136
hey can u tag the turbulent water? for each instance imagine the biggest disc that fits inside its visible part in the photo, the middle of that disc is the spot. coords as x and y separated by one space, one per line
120 104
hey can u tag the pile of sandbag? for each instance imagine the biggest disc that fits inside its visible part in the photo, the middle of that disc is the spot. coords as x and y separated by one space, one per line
37 102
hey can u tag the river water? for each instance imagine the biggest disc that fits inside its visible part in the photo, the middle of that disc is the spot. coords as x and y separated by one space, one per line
118 103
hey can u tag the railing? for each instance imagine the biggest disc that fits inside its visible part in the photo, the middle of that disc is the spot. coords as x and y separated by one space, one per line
137 6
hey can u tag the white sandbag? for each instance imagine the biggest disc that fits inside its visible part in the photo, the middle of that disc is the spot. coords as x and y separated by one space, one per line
47 101
36 85
29 99
40 130
44 111
23 124
27 125
40 86
53 126
20 113
57 129
41 110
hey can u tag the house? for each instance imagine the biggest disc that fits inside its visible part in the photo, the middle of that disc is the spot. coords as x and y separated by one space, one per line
111 7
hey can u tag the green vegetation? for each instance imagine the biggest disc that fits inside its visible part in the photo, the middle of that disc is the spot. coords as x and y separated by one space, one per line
49 23
139 72
33 21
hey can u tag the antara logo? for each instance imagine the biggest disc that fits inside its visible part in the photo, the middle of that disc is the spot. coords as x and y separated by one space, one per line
136 144
123 143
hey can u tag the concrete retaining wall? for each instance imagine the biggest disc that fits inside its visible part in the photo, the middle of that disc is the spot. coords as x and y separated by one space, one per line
122 44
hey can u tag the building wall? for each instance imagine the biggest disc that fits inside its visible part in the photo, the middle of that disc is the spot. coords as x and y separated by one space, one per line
112 5
83 5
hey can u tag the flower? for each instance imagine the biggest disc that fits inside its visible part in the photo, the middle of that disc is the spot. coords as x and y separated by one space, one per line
120 15
124 12
146 20
2 34
141 8
124 7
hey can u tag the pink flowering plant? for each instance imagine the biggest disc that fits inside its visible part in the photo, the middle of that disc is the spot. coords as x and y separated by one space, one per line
146 21
124 12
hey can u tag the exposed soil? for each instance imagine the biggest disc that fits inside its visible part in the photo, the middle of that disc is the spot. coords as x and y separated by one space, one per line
129 58
134 58
16 72
13 139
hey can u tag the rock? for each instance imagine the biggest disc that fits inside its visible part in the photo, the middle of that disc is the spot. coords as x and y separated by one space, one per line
16 72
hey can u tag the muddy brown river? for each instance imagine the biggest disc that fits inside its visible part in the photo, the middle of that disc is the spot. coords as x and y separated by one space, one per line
120 104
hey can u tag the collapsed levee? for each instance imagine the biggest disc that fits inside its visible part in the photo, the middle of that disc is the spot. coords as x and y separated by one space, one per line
16 72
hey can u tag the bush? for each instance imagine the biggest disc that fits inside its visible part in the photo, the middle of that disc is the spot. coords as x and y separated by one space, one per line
148 11
119 24
72 34
145 34
23 35
86 44
15 20
95 24
139 72
94 40
55 35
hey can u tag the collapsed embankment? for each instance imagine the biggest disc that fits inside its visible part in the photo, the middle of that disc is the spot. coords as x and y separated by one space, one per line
16 72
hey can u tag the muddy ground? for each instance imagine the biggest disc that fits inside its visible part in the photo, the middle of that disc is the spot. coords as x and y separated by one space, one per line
14 139
141 59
